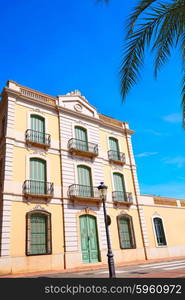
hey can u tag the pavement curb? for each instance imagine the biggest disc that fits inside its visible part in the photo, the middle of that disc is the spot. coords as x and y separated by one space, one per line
89 268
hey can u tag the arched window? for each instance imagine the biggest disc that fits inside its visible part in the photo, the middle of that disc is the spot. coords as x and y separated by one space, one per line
38 233
81 138
119 187
114 148
84 181
126 232
159 231
37 129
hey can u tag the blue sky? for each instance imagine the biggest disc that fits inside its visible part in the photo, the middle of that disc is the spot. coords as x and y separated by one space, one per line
62 45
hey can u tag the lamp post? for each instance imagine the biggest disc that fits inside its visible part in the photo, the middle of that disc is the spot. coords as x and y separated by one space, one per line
103 192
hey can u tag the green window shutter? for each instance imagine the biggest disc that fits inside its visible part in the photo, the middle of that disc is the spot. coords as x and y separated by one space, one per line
84 176
81 138
38 242
161 240
85 180
125 233
119 186
38 176
38 127
113 144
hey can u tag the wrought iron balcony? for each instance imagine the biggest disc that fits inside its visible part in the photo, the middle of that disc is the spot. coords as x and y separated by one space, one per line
83 148
38 138
121 197
83 192
38 189
116 157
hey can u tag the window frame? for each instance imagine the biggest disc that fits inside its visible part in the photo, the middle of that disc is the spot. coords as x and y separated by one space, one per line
155 233
81 128
90 173
115 139
131 231
38 159
38 114
48 232
123 180
39 156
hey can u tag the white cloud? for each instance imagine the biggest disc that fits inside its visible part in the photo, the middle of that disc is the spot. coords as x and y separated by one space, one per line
146 154
170 189
173 118
179 161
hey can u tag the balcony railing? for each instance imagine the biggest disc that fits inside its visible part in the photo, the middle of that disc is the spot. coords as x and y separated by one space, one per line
38 138
77 191
116 156
37 189
82 147
122 197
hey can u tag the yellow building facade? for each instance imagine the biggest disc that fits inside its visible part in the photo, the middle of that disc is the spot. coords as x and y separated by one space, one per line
54 152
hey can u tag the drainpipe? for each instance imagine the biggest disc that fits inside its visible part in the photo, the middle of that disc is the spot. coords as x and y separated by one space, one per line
61 174
135 191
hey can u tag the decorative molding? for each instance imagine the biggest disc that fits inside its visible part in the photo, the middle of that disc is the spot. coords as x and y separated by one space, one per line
156 214
88 210
78 107
82 124
37 110
123 212
39 152
38 207
117 168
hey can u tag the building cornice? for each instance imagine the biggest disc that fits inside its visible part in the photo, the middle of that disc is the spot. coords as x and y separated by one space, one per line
95 120
161 197
45 99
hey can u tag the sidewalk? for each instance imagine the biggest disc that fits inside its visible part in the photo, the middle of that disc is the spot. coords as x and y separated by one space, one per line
92 268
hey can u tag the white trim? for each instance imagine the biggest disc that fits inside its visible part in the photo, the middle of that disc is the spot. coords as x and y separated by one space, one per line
6 210
156 215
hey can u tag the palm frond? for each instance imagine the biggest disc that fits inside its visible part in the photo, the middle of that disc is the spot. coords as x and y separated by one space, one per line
169 34
183 79
183 101
134 51
141 7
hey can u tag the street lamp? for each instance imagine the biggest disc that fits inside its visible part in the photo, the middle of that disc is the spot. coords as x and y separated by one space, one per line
103 192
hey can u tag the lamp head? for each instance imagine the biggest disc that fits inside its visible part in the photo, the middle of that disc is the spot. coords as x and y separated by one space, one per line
102 189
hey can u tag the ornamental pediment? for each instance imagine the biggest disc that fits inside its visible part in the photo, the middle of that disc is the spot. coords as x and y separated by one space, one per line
78 103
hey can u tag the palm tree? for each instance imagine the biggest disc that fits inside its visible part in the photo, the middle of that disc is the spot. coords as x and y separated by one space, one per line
155 23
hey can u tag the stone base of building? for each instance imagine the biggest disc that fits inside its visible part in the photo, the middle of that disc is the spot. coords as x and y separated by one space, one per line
12 265
165 251
122 256
72 260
